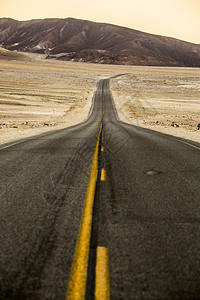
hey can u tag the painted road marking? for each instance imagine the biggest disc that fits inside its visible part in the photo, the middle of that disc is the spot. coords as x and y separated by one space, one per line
188 144
103 97
78 276
102 282
13 144
103 175
102 148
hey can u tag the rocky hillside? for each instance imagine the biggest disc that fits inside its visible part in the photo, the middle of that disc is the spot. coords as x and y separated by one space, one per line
79 40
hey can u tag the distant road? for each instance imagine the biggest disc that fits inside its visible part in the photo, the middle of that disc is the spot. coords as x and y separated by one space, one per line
145 223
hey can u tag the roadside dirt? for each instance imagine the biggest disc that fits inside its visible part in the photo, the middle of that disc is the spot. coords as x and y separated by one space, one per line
162 99
38 95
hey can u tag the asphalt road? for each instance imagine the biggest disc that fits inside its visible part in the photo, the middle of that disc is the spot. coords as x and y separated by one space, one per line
146 211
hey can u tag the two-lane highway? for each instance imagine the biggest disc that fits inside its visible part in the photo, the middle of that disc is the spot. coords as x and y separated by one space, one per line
43 185
143 238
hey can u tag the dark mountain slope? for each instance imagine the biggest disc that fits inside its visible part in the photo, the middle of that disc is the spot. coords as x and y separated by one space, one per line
79 40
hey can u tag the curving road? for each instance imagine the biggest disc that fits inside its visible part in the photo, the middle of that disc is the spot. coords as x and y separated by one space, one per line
146 209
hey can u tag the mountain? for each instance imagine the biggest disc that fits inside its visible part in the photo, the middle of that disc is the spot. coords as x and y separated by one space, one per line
80 40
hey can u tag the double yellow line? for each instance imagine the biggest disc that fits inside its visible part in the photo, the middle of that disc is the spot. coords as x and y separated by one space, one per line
78 276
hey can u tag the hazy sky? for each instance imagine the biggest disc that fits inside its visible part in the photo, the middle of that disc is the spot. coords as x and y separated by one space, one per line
176 18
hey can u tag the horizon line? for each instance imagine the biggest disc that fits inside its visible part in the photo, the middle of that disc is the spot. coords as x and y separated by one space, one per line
100 22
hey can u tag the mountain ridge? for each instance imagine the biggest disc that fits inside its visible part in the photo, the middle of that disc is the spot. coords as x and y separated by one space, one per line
82 40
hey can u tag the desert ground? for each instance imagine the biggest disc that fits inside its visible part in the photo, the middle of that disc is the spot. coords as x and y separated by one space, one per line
38 95
162 99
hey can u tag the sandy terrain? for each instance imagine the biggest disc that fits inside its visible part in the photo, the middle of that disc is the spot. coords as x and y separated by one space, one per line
38 95
162 99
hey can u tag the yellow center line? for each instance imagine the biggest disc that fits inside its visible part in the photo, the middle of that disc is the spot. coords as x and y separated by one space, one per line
103 97
78 276
102 283
102 148
103 175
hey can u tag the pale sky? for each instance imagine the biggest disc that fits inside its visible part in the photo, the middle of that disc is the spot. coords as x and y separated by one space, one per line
175 18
